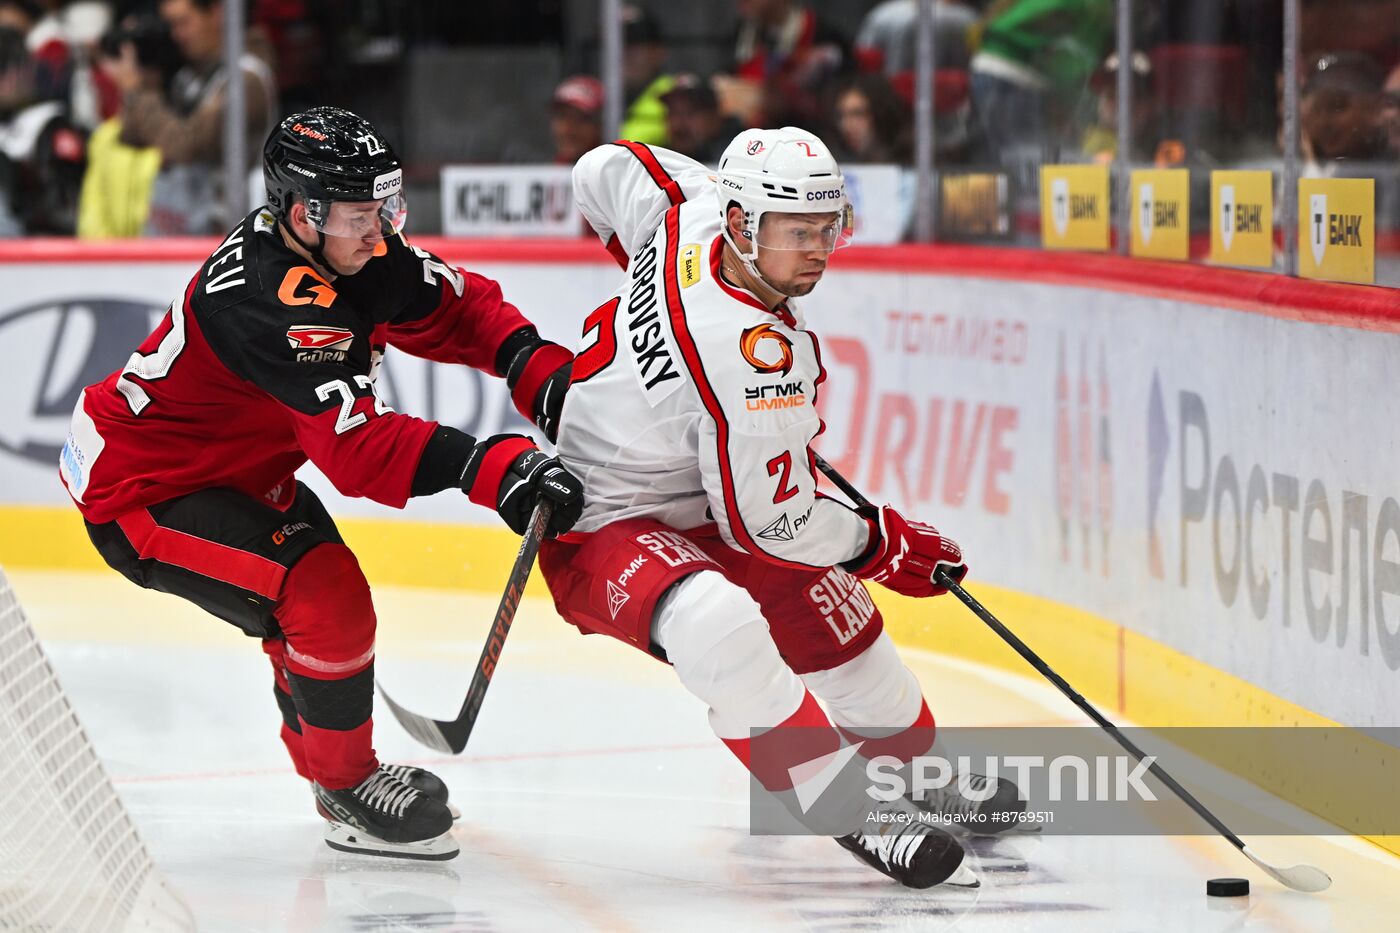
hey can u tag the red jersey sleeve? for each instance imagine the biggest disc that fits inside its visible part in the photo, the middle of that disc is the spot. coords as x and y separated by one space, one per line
450 315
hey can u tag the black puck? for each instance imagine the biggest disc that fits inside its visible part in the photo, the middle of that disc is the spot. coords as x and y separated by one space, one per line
1227 887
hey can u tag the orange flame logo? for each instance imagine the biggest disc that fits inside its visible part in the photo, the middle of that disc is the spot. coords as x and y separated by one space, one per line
751 340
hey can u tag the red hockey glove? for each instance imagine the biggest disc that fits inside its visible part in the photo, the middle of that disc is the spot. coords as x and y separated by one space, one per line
538 377
904 555
509 473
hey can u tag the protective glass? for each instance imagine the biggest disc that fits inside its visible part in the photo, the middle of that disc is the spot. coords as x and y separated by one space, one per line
360 220
823 232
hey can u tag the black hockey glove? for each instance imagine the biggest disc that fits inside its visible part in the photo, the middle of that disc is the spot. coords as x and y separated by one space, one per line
538 377
508 473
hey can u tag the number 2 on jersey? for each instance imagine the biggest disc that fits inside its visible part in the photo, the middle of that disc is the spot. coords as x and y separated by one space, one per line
154 365
348 419
782 463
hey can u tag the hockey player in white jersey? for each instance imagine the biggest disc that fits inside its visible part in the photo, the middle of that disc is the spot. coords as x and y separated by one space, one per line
704 541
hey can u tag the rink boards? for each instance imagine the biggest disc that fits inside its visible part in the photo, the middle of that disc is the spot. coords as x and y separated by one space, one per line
1175 482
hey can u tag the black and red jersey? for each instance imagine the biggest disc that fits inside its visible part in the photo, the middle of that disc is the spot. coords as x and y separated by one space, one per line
263 364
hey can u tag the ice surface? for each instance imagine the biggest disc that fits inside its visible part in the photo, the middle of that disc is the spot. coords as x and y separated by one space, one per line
593 795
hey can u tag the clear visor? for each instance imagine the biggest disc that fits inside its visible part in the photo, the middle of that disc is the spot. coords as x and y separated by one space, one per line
360 220
823 232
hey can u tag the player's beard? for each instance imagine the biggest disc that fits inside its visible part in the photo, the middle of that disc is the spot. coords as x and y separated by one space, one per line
797 289
793 288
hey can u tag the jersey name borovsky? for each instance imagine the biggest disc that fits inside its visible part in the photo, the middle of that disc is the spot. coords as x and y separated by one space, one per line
652 357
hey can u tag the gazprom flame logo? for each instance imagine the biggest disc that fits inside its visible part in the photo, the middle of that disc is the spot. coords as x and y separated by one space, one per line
755 338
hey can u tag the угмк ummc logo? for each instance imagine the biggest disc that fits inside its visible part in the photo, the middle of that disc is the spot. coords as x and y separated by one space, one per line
68 343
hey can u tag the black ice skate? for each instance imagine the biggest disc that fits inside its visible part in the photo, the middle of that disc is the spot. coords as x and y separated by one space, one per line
997 814
383 815
425 782
915 854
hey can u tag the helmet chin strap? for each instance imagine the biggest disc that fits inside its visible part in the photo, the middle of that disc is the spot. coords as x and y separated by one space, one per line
317 252
750 260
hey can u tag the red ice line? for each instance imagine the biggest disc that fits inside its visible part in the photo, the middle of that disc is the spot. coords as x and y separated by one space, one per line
514 756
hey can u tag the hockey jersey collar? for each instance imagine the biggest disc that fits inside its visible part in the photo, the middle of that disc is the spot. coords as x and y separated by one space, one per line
781 312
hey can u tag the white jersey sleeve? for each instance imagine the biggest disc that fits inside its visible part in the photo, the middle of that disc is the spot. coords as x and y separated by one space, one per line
754 447
625 188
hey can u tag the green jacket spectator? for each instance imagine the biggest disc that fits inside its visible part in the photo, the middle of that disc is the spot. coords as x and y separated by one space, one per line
1058 42
645 120
644 84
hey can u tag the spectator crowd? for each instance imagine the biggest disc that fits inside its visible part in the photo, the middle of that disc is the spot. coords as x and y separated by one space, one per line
112 111
112 116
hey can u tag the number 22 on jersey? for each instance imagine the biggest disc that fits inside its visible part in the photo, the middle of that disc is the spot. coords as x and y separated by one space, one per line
154 365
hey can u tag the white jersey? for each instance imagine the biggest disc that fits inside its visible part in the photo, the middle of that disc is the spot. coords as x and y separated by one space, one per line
693 403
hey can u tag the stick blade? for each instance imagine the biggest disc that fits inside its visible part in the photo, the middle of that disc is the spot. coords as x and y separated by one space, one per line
434 733
1304 878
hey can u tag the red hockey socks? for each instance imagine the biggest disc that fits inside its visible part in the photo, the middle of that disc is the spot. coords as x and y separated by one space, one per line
803 736
328 622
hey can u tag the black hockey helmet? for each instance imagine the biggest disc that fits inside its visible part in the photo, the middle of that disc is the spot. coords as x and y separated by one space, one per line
327 154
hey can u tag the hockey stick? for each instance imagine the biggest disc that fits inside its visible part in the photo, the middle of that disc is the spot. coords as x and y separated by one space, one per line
451 736
1298 877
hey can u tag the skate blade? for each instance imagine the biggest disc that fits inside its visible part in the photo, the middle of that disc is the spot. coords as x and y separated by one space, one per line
344 838
962 878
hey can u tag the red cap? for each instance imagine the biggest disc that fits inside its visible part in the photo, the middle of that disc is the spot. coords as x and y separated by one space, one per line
950 88
582 92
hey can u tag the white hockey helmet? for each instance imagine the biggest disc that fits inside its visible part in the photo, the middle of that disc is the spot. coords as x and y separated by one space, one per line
789 171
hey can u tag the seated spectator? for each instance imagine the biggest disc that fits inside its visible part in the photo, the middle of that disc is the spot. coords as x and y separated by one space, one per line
41 152
575 117
63 41
952 112
1101 139
693 120
1339 110
302 38
116 195
872 122
888 39
1388 178
1035 60
187 123
789 53
1368 27
643 83
20 15
1390 113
